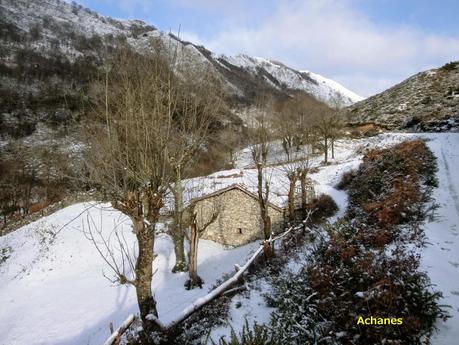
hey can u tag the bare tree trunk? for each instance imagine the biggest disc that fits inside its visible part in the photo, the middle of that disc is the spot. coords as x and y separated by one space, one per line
144 213
178 232
268 248
304 196
197 229
333 148
326 149
179 250
144 274
267 227
262 202
286 146
195 280
291 197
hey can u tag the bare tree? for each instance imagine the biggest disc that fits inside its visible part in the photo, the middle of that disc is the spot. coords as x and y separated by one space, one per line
199 220
132 153
194 115
259 152
151 119
303 183
337 125
294 122
292 176
327 124
231 140
296 172
285 122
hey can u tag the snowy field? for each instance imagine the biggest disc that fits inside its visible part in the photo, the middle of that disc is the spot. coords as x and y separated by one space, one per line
53 291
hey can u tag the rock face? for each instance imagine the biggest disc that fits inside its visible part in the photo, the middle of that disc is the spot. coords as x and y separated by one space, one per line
427 101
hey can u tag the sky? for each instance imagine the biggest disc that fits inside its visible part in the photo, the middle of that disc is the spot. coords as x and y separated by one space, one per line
366 45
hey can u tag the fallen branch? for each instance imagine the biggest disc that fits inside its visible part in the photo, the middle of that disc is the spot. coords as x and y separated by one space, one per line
234 290
200 302
115 337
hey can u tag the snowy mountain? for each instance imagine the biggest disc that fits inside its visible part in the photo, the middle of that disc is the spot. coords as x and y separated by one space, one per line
283 77
51 49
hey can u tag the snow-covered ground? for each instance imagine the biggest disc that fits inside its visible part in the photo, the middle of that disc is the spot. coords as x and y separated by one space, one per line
53 290
441 256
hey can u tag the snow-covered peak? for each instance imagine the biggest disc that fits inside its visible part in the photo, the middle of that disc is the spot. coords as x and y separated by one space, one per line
75 31
325 82
284 77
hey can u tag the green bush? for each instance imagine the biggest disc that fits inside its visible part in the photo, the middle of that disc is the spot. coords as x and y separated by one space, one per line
255 335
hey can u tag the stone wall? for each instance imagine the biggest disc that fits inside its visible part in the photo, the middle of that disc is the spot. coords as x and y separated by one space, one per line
239 220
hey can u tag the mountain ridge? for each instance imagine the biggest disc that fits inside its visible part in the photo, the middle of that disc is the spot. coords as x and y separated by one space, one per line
54 47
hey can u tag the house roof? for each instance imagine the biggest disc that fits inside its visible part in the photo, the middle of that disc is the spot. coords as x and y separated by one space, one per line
231 187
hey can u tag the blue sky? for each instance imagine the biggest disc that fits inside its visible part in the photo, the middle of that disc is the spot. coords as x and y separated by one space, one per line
367 45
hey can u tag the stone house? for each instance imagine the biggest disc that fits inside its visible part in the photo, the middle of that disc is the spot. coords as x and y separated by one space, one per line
238 221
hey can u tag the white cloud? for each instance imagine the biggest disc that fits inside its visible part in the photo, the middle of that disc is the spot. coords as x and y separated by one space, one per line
191 37
332 38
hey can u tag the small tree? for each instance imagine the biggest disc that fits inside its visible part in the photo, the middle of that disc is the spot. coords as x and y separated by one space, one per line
327 124
337 123
293 123
194 114
231 140
259 153
199 219
296 172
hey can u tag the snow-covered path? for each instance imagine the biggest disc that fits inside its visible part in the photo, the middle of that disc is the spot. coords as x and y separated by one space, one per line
441 256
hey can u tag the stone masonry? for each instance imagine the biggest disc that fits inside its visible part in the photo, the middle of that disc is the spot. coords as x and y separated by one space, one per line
238 220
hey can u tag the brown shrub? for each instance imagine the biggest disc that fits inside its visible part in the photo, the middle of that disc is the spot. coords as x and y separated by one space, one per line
323 207
38 206
346 180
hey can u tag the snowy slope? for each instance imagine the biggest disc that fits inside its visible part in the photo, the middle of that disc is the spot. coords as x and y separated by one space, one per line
332 88
75 19
54 292
348 153
440 257
324 89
